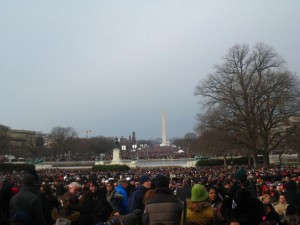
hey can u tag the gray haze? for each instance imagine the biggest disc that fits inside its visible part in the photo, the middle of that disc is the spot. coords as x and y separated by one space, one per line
112 67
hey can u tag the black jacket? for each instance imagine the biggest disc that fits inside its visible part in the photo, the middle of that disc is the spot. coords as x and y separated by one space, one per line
163 208
29 204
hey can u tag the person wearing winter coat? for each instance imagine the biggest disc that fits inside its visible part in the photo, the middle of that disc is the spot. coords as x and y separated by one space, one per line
66 209
49 202
184 192
199 211
121 190
281 207
28 202
163 207
137 196
244 207
113 198
93 206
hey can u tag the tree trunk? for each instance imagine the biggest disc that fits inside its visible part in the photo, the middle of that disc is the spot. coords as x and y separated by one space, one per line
280 158
266 159
249 160
254 160
225 160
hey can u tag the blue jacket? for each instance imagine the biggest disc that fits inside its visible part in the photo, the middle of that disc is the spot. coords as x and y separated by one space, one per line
136 199
123 205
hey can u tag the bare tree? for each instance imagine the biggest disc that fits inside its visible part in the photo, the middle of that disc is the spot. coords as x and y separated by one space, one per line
257 96
293 140
4 139
215 136
34 144
61 140
189 143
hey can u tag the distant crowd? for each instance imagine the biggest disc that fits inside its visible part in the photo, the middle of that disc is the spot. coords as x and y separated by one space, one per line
152 196
153 152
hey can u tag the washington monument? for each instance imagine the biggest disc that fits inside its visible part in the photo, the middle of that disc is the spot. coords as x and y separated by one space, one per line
163 129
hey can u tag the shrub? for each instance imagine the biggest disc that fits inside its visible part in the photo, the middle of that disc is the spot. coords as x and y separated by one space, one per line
17 167
110 167
220 162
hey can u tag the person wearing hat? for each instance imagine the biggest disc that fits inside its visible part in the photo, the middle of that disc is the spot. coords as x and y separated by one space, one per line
136 204
199 210
163 207
241 181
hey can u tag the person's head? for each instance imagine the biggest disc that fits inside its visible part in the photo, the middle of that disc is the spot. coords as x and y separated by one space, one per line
266 199
279 187
110 186
265 189
282 199
123 183
93 186
199 193
212 194
227 183
161 181
186 182
74 187
145 181
46 188
132 182
28 180
66 199
240 175
234 222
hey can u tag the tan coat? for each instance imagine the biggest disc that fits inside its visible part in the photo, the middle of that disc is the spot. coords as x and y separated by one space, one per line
201 213
281 208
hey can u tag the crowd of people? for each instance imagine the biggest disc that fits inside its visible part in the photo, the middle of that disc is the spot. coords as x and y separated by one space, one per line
152 196
150 152
154 152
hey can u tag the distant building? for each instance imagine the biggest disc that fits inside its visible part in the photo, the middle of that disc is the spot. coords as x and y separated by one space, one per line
19 138
127 144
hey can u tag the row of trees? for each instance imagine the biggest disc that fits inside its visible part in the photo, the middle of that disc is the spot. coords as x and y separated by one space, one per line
250 104
61 141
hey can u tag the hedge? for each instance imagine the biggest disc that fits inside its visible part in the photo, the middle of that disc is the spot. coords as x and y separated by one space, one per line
16 167
111 167
220 162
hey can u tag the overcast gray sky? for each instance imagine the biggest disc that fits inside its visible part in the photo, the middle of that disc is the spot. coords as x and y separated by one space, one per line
112 67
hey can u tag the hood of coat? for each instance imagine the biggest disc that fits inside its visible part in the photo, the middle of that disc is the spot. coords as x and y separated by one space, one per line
198 206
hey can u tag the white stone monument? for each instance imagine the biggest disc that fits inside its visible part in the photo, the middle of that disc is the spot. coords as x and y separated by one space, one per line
116 153
163 130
